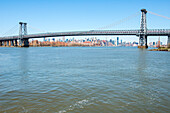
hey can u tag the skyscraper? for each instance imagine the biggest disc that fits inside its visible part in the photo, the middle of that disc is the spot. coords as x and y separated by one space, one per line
113 42
117 41
45 39
63 39
53 39
158 44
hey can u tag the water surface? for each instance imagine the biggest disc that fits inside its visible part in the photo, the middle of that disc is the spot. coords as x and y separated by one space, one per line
84 80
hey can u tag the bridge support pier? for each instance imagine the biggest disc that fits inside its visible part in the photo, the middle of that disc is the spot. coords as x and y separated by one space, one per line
12 42
15 41
143 41
3 43
168 43
25 42
0 43
7 43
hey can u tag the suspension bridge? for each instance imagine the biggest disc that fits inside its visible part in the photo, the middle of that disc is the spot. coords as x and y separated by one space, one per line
22 40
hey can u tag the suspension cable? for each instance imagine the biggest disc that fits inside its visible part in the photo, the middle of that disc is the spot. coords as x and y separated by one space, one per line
120 21
159 15
12 29
36 29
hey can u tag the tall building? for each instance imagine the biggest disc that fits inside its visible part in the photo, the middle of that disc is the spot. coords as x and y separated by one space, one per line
63 39
66 40
45 39
117 41
158 44
113 42
53 39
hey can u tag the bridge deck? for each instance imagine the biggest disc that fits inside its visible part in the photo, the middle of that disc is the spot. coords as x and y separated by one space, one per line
152 32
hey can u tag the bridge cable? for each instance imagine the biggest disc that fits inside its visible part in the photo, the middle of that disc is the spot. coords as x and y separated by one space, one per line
159 15
36 29
10 30
14 31
120 21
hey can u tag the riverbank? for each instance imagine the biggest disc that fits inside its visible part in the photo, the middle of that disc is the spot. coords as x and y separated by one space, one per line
160 49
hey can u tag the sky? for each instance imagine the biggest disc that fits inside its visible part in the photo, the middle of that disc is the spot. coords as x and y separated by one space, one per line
79 15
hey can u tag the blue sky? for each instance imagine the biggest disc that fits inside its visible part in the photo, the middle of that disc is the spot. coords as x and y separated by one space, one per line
79 15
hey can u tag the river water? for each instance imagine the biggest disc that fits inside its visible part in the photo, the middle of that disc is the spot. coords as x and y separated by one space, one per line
84 80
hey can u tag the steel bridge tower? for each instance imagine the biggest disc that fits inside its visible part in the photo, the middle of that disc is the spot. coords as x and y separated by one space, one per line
23 42
168 42
143 30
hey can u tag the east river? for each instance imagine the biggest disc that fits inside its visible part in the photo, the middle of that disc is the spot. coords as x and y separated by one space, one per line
84 80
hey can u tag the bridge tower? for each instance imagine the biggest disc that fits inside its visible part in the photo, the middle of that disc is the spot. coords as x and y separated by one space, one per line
143 30
23 42
168 42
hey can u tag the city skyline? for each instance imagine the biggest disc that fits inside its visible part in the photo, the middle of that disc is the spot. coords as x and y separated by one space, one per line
124 38
92 41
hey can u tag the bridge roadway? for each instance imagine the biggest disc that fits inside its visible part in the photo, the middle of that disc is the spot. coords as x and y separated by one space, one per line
150 32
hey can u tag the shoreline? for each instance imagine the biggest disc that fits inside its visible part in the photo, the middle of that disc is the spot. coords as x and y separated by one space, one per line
160 49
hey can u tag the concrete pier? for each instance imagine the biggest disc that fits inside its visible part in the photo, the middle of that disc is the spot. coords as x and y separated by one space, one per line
12 42
7 43
0 43
143 42
4 43
15 43
25 42
168 42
